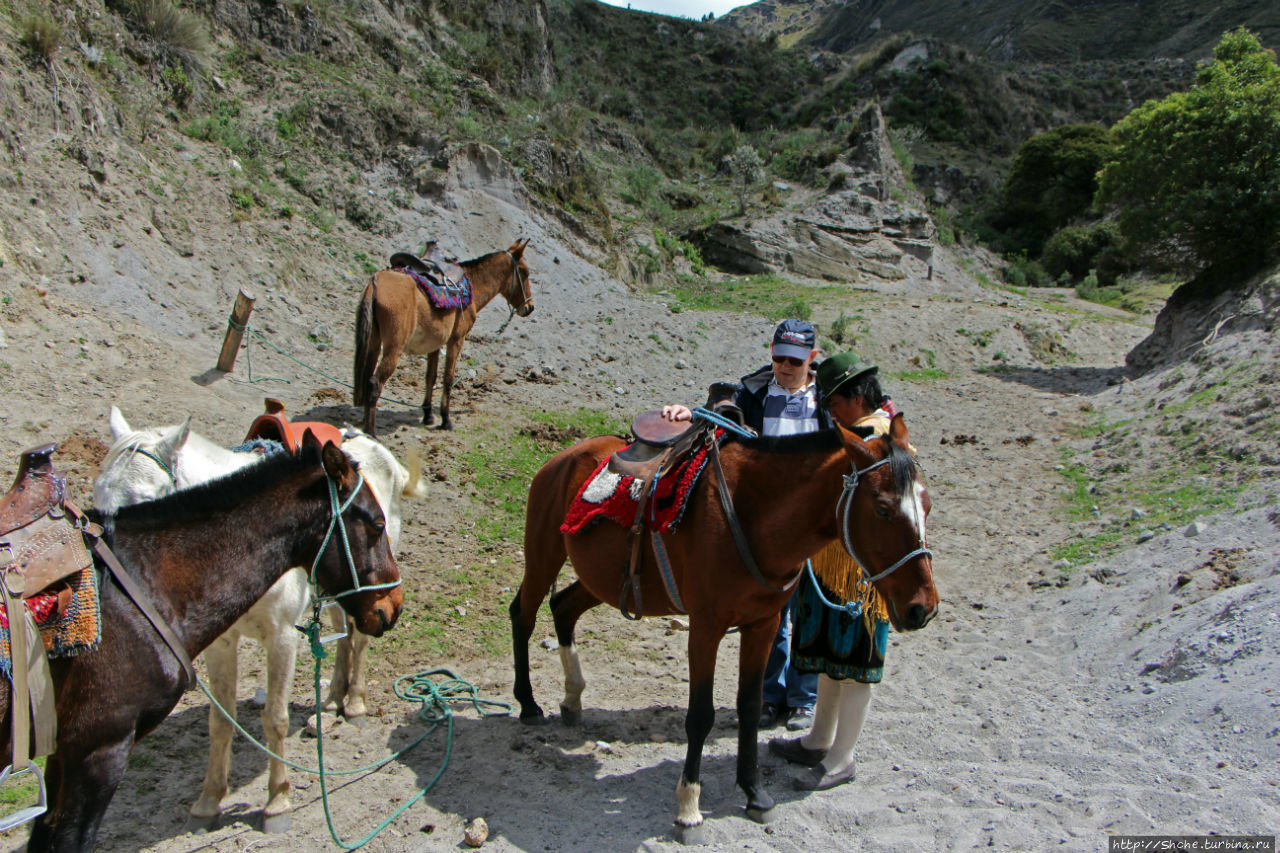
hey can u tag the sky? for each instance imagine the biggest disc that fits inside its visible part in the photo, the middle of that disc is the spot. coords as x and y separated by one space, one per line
681 8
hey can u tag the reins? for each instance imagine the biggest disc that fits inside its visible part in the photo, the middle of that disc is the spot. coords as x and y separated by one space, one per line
525 293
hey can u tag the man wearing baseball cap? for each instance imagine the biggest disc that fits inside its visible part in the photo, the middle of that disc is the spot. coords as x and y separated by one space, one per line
782 398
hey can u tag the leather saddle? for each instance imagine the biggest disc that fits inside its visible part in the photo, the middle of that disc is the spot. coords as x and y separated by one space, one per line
441 270
662 444
38 544
272 425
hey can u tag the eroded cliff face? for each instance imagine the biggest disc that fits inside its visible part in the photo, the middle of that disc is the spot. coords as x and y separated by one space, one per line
865 223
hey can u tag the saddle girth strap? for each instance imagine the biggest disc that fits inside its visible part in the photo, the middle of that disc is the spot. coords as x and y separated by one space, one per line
137 595
631 583
32 698
735 528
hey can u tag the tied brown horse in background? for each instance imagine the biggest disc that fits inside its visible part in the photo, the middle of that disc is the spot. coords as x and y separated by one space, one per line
791 498
395 317
202 557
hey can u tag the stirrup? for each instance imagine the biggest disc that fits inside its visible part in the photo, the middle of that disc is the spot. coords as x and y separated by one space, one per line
21 816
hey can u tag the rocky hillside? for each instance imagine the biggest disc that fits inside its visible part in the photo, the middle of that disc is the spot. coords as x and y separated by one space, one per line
1014 30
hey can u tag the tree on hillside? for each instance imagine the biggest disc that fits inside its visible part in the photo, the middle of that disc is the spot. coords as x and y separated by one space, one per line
746 170
1196 177
1052 182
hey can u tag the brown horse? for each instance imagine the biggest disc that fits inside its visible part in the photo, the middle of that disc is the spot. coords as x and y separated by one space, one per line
202 557
395 317
785 491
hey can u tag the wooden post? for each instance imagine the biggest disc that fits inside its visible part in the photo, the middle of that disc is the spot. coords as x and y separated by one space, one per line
236 325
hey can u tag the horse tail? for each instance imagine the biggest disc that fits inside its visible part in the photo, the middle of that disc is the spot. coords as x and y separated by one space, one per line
366 356
417 485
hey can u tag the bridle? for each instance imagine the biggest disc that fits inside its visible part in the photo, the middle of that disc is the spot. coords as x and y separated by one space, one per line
138 449
844 509
337 508
521 282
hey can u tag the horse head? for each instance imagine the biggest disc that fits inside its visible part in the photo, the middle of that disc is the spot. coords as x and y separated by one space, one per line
356 566
140 465
519 294
882 522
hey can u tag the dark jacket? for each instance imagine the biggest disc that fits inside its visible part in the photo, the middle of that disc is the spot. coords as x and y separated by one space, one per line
750 399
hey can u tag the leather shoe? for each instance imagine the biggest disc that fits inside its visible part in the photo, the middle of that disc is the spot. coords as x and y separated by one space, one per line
818 778
794 751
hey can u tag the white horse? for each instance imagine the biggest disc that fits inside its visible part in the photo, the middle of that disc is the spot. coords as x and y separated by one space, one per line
147 464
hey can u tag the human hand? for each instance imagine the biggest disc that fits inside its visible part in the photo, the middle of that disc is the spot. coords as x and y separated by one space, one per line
677 413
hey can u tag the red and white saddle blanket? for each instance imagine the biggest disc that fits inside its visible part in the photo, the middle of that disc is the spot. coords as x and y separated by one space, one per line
617 496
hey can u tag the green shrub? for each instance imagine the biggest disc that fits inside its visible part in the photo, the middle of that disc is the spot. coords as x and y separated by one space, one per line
1075 250
175 33
1196 176
42 35
1020 272
1051 182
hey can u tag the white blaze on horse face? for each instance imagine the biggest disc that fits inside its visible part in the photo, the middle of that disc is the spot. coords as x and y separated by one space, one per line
913 508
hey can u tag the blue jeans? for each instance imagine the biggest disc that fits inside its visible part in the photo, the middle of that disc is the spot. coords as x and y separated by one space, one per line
784 685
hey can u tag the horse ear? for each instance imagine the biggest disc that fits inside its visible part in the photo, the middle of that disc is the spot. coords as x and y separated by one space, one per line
336 464
898 431
119 426
856 446
173 441
517 248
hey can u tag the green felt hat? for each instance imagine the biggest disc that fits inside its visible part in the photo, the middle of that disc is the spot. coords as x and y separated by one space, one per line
841 368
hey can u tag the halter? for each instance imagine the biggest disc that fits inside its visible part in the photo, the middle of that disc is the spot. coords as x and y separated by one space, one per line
844 508
516 281
335 520
164 466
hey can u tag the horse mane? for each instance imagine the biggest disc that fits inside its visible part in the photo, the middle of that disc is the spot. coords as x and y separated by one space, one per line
217 495
824 440
901 463
480 260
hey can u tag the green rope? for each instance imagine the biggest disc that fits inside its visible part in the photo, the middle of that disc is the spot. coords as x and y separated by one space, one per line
434 697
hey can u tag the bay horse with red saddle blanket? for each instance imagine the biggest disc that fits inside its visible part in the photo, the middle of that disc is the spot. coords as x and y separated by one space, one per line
178 572
786 498
395 316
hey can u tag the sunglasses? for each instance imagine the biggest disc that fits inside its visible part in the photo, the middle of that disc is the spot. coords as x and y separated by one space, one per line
791 360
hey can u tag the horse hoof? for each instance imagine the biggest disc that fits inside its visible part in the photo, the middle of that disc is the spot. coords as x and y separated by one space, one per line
538 719
277 823
759 814
570 717
200 825
691 834
357 721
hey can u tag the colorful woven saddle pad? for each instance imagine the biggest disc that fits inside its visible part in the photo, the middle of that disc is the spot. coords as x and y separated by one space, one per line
444 283
606 495
69 616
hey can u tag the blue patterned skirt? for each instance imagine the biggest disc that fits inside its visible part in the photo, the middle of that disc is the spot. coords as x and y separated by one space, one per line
832 641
